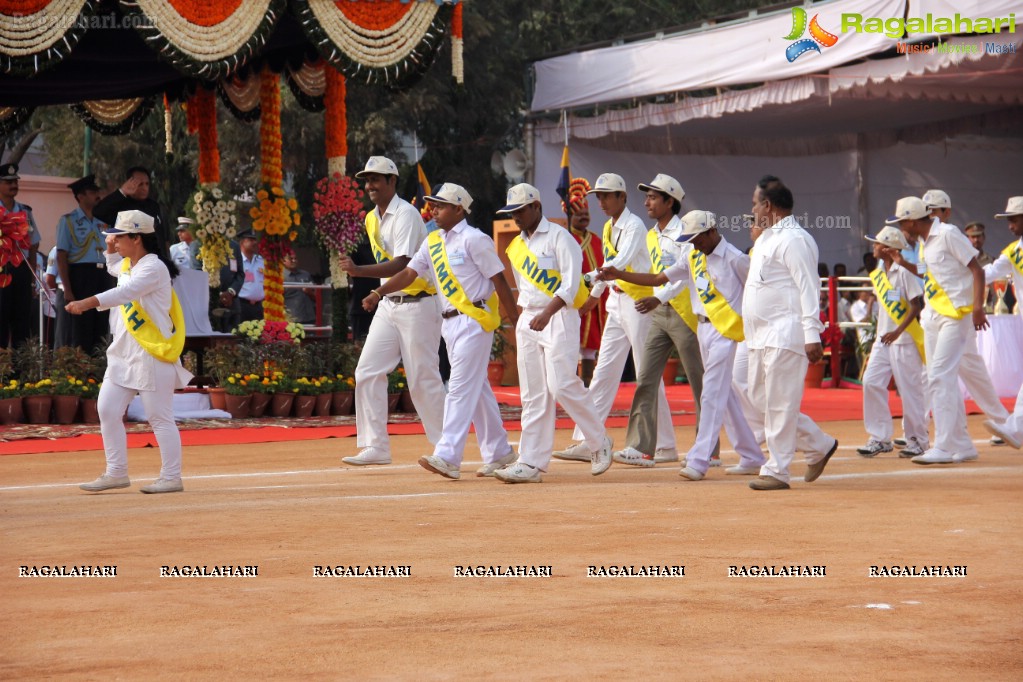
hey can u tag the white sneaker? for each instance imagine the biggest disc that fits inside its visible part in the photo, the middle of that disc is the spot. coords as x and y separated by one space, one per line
519 473
739 470
106 482
634 457
164 485
691 473
489 469
932 457
998 430
900 442
874 447
665 455
367 457
600 460
715 461
576 452
439 466
965 457
912 449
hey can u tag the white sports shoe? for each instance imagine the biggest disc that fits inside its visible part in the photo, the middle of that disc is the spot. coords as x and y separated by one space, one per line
932 457
489 469
912 449
163 485
690 473
439 466
739 470
367 457
634 457
576 452
715 461
600 460
665 455
519 473
999 431
965 457
106 482
874 447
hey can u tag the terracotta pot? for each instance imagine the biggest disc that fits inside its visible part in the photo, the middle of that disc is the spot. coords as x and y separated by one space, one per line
237 405
392 402
259 403
406 404
65 408
90 411
814 375
323 402
495 372
342 403
37 408
282 404
670 371
304 405
218 398
11 411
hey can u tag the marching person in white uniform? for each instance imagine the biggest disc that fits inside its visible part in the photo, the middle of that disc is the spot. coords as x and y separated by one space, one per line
1010 262
624 240
781 322
406 326
463 266
148 329
898 350
716 272
547 263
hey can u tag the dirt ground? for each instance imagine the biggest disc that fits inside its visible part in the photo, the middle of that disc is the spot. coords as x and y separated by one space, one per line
287 508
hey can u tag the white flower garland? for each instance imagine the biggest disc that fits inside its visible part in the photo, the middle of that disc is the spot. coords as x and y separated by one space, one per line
216 222
206 43
371 48
21 36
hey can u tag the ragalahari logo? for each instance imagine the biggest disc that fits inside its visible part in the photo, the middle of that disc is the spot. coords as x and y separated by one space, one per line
817 36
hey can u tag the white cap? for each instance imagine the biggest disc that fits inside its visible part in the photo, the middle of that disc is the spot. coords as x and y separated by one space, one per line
935 198
1014 207
518 196
609 182
697 222
184 222
132 222
909 208
450 193
378 164
891 237
665 183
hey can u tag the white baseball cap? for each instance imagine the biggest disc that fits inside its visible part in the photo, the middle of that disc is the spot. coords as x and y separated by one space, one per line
450 193
378 164
1014 207
891 237
664 183
909 208
518 196
132 222
935 198
697 222
609 182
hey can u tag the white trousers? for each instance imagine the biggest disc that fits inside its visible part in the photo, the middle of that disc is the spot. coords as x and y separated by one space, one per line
1015 421
776 378
720 404
625 328
409 333
945 340
975 377
159 406
903 361
470 398
547 363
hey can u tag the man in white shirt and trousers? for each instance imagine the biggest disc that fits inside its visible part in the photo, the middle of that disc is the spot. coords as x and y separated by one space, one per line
781 322
406 326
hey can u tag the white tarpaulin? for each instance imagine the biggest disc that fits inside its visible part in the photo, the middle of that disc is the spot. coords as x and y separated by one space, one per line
749 51
966 8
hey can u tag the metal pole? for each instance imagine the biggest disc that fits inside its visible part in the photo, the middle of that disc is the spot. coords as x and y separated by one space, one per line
87 152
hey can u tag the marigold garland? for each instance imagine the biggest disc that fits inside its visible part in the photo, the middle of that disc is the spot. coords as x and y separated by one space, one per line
202 119
270 129
336 115
457 62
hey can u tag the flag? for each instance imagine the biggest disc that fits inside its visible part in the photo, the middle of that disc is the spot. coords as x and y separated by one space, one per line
565 179
422 188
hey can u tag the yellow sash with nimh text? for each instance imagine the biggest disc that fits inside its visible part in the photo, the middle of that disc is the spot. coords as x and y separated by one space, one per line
897 310
144 330
547 281
489 317
419 285
719 312
682 304
634 291
1014 252
936 296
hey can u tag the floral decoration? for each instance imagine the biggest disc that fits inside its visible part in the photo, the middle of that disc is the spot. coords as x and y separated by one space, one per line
11 389
241 384
314 385
31 37
335 120
114 116
396 381
202 119
338 213
14 236
267 331
41 387
216 224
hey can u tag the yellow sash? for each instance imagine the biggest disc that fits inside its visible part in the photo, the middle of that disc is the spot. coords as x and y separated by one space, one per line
1014 252
145 331
419 285
682 304
489 317
547 281
634 291
936 296
725 320
897 310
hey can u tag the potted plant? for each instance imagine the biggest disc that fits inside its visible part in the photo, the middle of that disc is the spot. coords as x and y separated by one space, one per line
396 383
38 399
238 390
283 396
310 391
671 367
343 398
495 368
344 358
263 390
11 411
67 392
89 392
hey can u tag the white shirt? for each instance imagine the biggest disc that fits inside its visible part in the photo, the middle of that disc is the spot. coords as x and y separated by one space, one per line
1001 268
628 235
401 230
904 285
781 301
252 288
180 255
473 259
149 283
947 251
728 268
554 249
672 252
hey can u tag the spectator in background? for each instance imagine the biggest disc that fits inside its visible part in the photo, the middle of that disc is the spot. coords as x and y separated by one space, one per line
62 331
299 302
869 265
133 194
246 300
180 253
